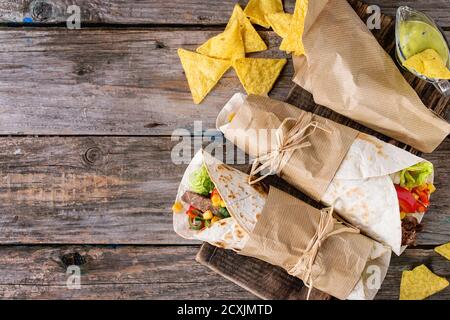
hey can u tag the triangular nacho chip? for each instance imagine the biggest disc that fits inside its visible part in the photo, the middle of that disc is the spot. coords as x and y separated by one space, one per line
227 45
428 63
257 10
280 23
202 72
420 283
444 250
251 38
258 75
293 41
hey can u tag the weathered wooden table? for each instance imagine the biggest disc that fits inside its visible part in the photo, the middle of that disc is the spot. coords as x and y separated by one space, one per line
86 118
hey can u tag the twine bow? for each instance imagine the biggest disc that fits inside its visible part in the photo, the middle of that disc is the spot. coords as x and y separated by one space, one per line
286 145
325 229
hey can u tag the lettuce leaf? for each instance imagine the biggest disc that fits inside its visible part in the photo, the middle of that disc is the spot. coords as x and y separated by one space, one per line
416 175
200 182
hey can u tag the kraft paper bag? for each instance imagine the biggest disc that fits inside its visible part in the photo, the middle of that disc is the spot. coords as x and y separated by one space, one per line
347 71
331 163
269 224
288 228
310 169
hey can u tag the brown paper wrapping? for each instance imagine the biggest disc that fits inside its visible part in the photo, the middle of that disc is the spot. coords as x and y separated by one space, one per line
347 71
283 231
309 169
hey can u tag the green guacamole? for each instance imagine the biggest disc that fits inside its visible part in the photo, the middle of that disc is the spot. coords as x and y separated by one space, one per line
417 36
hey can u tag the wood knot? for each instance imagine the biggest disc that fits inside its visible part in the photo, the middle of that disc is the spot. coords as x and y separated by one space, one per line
203 18
83 69
92 155
73 259
159 45
41 10
152 125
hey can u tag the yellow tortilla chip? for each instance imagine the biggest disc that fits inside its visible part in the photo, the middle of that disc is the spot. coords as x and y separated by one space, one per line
420 283
428 63
293 41
227 45
258 75
202 72
251 38
444 250
280 23
257 10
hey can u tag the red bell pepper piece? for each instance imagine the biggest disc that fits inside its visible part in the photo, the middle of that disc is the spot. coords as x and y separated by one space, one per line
192 212
406 200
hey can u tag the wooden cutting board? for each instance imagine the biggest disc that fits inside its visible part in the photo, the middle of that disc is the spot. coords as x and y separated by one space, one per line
270 282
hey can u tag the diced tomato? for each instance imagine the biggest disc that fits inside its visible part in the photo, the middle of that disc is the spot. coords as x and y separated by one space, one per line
408 203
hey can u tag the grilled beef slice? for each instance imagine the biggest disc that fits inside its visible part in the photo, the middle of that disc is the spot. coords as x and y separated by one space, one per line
200 202
410 227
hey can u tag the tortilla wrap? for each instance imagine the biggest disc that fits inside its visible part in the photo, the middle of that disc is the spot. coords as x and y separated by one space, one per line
245 204
362 191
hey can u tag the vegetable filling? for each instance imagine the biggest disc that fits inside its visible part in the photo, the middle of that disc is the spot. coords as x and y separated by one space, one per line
413 192
206 206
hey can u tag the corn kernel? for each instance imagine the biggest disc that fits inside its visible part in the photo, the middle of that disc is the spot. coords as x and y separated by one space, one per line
431 187
177 207
402 215
222 204
208 215
215 219
215 199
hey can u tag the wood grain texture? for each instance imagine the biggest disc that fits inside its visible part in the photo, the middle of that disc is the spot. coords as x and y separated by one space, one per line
85 190
130 272
410 259
89 190
258 277
195 12
120 190
270 282
111 273
103 82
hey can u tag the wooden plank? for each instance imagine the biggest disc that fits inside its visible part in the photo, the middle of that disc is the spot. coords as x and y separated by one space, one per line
108 82
88 190
410 259
197 12
258 277
111 273
144 272
120 190
279 285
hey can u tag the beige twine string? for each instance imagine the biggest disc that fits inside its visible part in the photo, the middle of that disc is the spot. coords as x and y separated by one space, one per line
286 145
303 268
